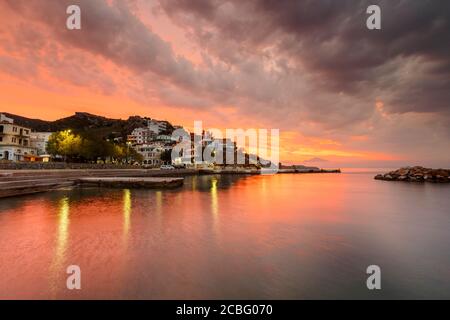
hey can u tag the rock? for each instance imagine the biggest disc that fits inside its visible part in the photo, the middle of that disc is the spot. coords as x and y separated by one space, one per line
442 172
416 174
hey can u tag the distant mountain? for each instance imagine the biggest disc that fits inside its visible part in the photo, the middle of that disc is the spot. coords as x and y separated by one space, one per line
312 160
83 122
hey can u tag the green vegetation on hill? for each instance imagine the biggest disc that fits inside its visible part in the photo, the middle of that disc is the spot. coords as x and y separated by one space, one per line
87 124
87 147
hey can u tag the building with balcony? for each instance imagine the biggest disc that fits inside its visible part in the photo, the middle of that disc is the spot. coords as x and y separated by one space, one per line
151 153
15 141
141 136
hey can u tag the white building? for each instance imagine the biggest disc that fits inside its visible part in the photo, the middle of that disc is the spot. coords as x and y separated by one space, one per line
151 153
157 126
15 142
165 138
141 136
39 141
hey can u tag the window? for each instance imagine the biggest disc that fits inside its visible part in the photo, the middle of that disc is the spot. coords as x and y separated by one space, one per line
1 139
1 128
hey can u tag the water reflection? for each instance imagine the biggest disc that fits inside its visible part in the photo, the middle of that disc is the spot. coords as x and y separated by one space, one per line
215 206
62 235
159 199
204 183
231 237
126 212
194 183
214 200
63 227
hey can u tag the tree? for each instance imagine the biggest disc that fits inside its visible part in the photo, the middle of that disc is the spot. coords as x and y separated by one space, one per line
119 153
88 150
94 147
88 147
64 143
166 156
135 156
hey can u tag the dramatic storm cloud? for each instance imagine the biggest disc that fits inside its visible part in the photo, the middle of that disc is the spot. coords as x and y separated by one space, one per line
337 91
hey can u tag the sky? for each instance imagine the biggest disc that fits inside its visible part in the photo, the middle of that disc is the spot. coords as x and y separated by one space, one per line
340 94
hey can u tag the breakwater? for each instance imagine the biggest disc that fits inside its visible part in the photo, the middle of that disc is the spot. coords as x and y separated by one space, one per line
416 174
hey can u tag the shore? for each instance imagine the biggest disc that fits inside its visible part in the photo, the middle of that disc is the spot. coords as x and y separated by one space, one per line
29 181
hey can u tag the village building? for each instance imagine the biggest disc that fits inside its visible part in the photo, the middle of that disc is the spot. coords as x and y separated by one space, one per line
157 127
151 153
39 140
15 142
141 136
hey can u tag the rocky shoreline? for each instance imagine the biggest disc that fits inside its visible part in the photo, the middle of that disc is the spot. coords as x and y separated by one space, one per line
416 174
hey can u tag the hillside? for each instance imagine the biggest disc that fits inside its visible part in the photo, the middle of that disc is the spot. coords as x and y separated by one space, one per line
83 122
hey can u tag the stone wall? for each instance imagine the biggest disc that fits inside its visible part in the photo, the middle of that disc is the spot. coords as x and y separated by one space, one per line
60 165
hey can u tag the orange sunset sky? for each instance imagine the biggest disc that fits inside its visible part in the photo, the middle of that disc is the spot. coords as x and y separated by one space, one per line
340 94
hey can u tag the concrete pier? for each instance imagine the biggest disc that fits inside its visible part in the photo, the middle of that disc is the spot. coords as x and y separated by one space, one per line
133 182
22 182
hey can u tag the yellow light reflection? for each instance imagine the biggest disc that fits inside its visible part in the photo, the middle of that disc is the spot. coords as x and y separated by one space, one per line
214 201
194 183
62 235
63 229
158 202
215 208
126 211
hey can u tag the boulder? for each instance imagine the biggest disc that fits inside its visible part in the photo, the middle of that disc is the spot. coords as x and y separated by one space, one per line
416 174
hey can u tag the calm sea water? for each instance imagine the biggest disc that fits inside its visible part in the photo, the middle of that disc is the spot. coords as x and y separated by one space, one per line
278 237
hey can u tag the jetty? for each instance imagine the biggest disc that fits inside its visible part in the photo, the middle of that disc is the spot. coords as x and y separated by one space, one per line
22 182
305 169
131 182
